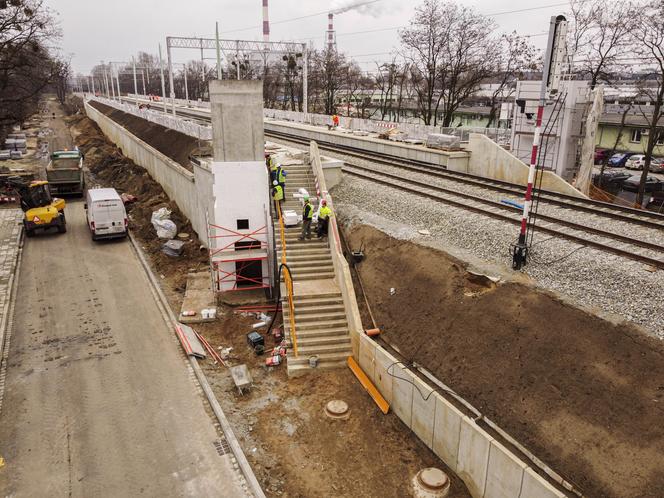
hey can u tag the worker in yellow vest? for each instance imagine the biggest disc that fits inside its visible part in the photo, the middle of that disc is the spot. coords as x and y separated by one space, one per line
324 214
307 215
277 194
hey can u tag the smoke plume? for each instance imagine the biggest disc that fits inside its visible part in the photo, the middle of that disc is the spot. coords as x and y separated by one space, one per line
365 7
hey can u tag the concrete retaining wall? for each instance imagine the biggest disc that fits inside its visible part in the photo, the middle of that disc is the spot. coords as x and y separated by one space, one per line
190 191
488 468
453 160
490 160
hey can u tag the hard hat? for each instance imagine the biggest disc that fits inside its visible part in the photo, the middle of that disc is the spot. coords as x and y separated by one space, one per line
324 202
275 182
306 197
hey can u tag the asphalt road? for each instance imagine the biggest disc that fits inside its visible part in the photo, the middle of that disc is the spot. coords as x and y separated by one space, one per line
99 400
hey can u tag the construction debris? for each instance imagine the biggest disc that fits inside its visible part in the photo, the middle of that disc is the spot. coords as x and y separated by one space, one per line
173 248
162 223
189 340
241 377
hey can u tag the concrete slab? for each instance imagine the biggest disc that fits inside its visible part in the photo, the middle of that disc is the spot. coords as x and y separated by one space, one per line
315 287
473 458
382 380
446 431
424 411
402 392
367 356
535 485
505 473
197 297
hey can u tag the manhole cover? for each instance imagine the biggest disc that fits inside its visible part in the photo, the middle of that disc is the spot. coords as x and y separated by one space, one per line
431 483
337 409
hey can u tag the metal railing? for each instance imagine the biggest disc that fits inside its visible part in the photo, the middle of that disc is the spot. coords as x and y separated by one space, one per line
177 123
288 280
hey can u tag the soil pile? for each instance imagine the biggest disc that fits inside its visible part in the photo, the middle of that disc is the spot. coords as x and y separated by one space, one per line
109 168
585 395
171 143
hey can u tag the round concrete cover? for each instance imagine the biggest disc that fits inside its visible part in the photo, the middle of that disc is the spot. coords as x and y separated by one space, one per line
337 408
433 478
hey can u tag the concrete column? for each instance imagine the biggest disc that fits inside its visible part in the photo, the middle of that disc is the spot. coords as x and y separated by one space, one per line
237 120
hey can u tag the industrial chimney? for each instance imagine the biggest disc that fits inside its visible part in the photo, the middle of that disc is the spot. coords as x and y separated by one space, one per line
266 23
331 35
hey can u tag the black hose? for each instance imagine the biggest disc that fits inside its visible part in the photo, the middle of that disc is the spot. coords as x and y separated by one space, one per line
276 307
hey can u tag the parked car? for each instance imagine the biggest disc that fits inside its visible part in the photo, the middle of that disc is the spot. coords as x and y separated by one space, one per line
637 161
105 213
618 160
610 180
652 184
601 155
657 165
656 202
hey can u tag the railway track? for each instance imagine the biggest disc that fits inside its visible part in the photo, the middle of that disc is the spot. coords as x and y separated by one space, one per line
622 213
622 245
635 249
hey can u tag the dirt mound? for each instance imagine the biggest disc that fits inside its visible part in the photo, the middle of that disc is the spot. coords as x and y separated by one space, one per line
584 395
171 143
109 168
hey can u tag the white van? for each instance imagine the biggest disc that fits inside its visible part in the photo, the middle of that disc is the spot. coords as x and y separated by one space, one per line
105 213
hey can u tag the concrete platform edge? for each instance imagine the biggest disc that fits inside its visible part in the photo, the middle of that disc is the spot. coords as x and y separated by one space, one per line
225 425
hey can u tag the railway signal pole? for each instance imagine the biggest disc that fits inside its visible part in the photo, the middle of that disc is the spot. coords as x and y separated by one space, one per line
555 52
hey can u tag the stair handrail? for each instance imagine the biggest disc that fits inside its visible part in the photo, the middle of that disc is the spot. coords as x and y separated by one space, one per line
288 281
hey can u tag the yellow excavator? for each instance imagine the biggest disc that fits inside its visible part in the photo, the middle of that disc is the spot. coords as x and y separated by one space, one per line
42 211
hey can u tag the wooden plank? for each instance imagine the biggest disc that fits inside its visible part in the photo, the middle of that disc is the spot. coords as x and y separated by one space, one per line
368 385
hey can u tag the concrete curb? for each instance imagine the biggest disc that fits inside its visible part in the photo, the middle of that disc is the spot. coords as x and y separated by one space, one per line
202 380
8 313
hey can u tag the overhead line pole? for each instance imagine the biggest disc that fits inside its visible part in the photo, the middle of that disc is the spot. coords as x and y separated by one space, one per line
170 76
218 45
163 85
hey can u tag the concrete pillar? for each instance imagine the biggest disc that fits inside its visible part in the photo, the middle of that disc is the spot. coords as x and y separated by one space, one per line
237 120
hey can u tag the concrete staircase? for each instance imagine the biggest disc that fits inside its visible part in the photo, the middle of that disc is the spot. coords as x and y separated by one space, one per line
320 316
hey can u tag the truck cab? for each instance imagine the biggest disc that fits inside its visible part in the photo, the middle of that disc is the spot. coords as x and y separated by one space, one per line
105 214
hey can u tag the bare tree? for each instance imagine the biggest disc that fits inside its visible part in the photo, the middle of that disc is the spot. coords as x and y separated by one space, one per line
327 74
649 47
26 66
424 44
60 76
599 37
516 56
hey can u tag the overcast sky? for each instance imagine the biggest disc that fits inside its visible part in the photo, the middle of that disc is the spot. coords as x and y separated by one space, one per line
95 30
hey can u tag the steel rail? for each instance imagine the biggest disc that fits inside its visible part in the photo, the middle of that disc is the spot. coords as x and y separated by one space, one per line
374 176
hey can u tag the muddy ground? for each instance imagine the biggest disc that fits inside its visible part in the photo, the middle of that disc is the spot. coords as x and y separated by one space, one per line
294 449
584 395
171 143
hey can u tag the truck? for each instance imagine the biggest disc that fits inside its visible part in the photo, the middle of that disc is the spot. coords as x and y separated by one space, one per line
64 173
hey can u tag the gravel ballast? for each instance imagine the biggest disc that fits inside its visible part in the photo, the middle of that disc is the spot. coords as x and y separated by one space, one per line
591 278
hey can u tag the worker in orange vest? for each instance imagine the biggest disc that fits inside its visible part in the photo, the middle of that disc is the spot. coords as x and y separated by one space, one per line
335 121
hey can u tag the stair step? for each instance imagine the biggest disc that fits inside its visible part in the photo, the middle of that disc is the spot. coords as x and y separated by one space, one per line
312 276
323 296
295 258
305 369
304 341
323 357
304 308
315 318
325 349
309 326
321 334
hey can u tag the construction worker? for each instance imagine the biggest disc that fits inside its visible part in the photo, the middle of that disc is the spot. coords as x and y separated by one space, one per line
307 215
280 175
277 194
324 214
335 121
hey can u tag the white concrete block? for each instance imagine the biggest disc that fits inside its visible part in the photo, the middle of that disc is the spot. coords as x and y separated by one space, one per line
382 380
505 473
402 393
447 427
367 356
473 458
535 486
424 411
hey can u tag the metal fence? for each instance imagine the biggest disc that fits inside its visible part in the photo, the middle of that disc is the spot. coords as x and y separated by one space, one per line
411 130
178 123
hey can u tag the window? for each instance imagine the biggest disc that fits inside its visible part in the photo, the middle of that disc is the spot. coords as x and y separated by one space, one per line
242 224
660 138
636 136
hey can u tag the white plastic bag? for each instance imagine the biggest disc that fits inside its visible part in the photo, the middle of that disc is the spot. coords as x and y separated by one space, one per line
166 229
